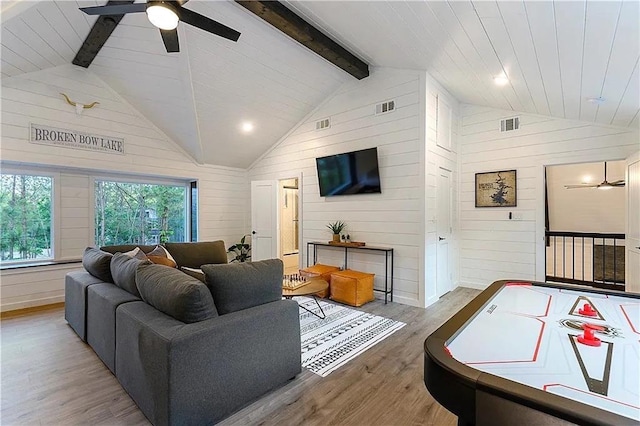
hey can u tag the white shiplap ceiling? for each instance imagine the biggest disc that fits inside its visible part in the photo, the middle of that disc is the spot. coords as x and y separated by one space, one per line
556 54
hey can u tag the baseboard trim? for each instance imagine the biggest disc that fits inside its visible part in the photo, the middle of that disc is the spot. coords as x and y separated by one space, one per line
477 286
20 308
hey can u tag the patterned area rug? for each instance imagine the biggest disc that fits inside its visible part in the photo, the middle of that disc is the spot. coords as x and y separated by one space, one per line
344 334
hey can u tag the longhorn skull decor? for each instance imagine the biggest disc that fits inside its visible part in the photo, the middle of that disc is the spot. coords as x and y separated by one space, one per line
79 107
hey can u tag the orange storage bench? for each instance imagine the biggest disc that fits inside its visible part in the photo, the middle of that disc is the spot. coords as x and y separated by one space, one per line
320 271
352 287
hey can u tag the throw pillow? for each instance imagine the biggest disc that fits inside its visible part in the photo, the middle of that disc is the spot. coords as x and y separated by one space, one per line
174 293
98 263
136 253
195 273
237 286
161 256
123 271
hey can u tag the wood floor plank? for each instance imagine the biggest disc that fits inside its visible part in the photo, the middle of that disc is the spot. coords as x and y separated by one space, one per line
50 377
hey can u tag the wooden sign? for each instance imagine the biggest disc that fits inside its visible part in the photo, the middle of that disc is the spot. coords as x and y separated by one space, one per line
45 135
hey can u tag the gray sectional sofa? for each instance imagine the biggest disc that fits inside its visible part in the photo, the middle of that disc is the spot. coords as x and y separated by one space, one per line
187 352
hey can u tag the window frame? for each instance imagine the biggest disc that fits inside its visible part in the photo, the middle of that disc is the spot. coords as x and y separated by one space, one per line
55 213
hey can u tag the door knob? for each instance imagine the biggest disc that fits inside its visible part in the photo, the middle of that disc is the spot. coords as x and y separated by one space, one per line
253 232
441 239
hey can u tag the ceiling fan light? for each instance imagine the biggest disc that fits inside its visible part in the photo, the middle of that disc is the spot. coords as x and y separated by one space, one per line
162 16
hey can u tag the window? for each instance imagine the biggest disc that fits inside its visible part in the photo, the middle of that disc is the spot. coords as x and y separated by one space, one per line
139 213
25 217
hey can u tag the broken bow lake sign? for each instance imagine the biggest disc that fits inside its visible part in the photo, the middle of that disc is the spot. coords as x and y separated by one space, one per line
72 139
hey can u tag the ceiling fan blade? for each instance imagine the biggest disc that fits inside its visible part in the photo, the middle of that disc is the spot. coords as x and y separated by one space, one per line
581 186
115 9
170 39
207 24
618 183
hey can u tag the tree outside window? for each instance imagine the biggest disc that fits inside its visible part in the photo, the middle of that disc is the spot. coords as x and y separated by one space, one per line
135 213
25 217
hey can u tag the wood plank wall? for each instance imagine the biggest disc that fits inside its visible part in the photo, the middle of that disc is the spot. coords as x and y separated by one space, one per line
395 218
493 247
35 98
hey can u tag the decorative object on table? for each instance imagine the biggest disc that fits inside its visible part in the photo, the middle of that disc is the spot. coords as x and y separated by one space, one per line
336 228
294 281
242 251
344 334
496 189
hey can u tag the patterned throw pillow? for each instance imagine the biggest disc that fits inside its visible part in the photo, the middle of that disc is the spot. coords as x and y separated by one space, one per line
161 256
136 253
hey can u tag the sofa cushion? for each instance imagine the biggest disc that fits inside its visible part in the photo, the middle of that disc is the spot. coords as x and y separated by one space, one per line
136 253
194 272
175 293
237 286
98 263
194 255
123 271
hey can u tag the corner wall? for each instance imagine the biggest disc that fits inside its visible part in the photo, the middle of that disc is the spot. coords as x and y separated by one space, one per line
35 98
492 247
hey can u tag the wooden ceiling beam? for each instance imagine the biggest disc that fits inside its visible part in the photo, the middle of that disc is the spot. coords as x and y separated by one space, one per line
98 36
278 15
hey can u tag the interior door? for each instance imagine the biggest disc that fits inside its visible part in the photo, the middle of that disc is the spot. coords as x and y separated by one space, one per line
444 230
632 250
264 219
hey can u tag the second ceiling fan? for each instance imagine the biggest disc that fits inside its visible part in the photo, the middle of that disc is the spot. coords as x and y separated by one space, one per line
605 184
165 15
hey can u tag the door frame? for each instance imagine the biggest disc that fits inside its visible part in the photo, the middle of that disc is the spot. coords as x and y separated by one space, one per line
449 272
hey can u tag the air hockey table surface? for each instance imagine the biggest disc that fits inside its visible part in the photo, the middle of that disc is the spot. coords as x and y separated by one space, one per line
517 354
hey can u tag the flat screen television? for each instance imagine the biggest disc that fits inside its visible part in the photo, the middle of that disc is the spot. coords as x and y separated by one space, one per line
353 172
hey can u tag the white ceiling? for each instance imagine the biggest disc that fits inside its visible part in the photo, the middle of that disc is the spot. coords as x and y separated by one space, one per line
556 54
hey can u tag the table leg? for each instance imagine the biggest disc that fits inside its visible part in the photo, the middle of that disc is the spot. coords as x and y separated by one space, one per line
320 307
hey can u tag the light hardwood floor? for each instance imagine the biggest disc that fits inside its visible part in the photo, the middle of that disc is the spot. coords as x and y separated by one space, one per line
50 377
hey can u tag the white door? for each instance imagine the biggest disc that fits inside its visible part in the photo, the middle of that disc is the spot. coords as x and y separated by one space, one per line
632 258
264 219
444 231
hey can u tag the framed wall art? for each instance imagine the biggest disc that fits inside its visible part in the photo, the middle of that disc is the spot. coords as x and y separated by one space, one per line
496 189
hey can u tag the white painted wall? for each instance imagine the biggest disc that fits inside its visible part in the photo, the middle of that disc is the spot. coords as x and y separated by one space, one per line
396 217
493 247
34 97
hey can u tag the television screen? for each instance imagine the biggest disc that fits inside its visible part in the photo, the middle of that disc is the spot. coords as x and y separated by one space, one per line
349 173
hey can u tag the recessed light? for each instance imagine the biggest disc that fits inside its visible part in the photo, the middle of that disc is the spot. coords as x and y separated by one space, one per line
247 127
500 80
596 100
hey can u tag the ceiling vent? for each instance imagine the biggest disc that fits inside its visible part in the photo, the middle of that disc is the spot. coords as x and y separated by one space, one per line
385 107
323 124
509 124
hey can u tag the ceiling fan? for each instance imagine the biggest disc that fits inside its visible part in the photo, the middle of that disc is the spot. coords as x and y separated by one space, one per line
605 184
165 15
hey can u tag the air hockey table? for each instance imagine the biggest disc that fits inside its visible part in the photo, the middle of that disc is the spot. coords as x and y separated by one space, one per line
530 353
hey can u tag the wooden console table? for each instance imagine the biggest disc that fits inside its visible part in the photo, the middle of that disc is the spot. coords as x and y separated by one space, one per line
388 262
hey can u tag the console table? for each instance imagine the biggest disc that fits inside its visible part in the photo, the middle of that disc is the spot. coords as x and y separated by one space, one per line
388 262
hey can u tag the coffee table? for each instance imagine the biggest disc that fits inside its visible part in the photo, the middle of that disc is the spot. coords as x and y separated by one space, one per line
310 288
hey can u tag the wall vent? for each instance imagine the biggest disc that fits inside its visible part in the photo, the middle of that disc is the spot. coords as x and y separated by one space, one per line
323 124
385 107
509 124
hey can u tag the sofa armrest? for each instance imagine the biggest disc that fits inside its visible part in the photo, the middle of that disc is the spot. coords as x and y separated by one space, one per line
211 368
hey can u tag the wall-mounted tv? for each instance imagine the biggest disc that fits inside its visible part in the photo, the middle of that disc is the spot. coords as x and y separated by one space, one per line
349 173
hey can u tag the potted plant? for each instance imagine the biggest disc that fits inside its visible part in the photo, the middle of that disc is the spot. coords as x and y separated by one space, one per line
336 228
241 250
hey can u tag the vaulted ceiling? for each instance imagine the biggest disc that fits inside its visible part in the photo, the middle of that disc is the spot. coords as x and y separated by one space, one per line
557 55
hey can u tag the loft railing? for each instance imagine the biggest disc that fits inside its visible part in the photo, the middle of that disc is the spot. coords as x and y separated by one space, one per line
586 258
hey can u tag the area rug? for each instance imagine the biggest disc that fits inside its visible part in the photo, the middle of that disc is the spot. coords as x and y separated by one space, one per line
344 334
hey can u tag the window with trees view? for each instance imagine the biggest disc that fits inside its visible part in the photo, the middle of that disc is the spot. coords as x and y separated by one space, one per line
25 217
139 213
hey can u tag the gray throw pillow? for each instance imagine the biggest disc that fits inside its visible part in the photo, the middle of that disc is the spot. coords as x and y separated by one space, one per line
237 286
175 293
123 271
194 272
98 263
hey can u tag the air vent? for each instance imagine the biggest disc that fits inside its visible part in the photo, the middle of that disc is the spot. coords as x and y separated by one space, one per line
323 124
385 107
509 124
